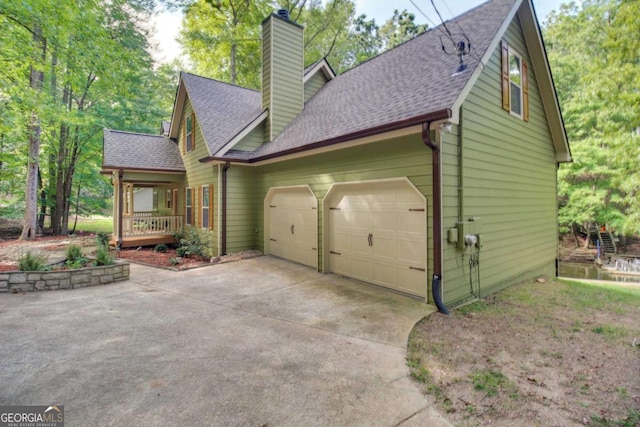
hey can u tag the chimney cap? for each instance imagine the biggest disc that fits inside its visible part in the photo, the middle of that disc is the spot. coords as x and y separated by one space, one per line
283 13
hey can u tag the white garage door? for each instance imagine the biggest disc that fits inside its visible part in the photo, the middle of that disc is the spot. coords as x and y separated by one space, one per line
291 219
378 234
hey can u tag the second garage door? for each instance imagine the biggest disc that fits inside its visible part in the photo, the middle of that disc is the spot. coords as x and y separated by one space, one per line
291 217
377 233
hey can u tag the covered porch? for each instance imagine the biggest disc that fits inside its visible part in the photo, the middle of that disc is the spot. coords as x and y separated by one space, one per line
146 209
148 175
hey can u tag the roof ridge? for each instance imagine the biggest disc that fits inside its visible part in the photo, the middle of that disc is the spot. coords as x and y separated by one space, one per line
220 81
136 133
427 31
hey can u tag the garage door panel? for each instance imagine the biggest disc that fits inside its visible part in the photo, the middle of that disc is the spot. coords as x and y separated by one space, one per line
293 232
411 281
359 243
413 222
384 246
380 233
340 219
385 221
386 275
360 220
411 251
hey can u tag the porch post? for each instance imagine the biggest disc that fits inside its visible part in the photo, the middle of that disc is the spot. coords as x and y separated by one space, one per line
120 208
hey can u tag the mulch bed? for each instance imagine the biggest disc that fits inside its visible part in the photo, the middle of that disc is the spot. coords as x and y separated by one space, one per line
161 259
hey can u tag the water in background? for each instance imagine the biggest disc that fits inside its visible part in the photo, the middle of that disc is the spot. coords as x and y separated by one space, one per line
590 271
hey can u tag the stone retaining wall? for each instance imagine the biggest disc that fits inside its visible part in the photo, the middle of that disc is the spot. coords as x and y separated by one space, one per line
27 281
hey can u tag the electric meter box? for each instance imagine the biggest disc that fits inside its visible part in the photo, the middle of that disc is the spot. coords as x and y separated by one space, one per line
472 226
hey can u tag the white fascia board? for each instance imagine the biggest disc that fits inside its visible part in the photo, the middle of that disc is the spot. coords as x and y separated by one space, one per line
322 65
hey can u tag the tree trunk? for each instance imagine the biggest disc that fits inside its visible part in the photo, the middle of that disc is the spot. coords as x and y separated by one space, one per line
575 235
43 202
36 79
59 228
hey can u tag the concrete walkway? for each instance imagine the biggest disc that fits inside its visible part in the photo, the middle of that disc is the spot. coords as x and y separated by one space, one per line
253 343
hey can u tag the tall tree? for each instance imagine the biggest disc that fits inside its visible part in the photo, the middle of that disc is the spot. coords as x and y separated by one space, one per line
223 39
593 52
96 72
400 28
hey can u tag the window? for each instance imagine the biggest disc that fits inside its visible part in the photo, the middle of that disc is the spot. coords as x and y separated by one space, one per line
188 207
515 85
205 207
189 143
169 200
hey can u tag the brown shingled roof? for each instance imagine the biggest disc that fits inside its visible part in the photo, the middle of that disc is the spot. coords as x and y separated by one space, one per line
413 80
222 109
410 80
127 150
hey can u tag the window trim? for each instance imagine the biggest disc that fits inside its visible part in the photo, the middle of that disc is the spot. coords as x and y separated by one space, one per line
207 207
514 53
168 199
188 205
506 53
189 133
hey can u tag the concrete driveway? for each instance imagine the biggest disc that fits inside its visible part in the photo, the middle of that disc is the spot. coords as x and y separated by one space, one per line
253 343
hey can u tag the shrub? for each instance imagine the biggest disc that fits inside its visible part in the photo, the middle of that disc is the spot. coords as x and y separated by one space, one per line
162 248
102 238
75 258
193 243
103 256
173 261
73 253
32 262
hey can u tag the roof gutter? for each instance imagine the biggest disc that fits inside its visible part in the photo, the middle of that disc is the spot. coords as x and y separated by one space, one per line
401 124
436 281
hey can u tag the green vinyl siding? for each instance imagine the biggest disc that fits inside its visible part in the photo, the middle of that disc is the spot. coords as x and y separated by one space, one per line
282 70
253 140
198 174
401 157
241 208
314 84
509 181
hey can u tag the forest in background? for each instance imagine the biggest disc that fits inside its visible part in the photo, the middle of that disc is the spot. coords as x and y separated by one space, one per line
73 67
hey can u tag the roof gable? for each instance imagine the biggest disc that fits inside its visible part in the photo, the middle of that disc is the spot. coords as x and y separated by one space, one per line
524 10
222 110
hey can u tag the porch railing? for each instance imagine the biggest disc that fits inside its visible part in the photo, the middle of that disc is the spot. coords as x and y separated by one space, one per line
144 214
151 226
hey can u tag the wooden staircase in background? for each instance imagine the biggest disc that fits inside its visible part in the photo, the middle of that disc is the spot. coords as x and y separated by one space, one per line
606 242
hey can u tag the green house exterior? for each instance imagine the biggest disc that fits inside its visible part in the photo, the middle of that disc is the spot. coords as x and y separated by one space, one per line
380 179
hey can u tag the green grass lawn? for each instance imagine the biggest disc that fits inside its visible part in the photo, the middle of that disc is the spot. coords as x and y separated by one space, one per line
92 224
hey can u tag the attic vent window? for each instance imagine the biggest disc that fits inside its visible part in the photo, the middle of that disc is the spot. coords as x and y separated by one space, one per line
189 134
515 83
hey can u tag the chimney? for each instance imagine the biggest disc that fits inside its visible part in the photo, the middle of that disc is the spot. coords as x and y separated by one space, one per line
282 71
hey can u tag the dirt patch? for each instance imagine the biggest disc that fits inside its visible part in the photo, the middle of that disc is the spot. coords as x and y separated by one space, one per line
548 353
10 229
170 259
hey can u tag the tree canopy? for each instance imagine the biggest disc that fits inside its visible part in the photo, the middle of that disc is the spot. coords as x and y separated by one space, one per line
222 38
595 58
68 72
